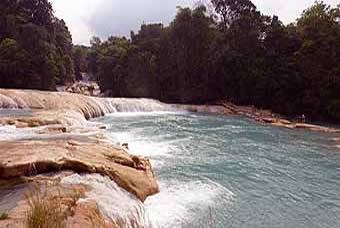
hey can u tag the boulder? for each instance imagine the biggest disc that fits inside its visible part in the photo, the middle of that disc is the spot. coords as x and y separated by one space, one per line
66 199
60 113
80 154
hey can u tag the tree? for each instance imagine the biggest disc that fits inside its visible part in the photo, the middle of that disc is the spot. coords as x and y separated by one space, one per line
231 10
69 67
107 61
38 12
12 59
43 38
80 59
187 44
319 57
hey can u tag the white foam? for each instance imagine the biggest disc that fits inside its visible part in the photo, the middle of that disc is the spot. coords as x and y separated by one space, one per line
114 203
150 149
178 203
139 145
175 205
137 105
12 133
141 113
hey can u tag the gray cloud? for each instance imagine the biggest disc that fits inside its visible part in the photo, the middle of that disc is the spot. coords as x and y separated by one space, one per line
119 17
86 18
287 10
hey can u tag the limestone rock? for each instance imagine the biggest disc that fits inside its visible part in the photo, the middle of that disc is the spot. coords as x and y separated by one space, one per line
85 88
31 157
67 198
61 113
316 128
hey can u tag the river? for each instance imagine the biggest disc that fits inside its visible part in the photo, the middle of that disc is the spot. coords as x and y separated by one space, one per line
218 171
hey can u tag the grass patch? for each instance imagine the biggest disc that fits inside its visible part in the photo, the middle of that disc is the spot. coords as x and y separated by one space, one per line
52 208
76 195
11 182
4 216
98 221
44 213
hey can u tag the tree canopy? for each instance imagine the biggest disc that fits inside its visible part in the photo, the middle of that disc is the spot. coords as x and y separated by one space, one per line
223 49
35 46
235 53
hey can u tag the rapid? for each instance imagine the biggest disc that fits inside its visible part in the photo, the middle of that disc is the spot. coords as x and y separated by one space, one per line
218 171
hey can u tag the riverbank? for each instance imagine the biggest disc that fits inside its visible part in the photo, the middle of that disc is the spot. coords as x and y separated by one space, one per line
268 117
230 171
58 139
53 137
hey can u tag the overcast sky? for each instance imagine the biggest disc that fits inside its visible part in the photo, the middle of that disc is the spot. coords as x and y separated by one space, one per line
86 18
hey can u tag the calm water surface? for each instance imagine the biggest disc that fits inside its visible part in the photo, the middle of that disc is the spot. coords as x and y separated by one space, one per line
217 171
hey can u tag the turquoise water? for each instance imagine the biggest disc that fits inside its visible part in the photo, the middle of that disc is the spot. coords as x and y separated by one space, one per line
217 171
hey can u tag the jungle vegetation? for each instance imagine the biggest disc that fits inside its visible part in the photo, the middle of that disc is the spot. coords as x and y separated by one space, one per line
223 49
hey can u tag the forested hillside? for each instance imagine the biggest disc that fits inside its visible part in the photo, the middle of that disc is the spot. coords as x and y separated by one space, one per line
35 46
222 50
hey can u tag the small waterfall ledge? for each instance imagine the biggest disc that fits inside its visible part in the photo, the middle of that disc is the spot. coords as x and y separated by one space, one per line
89 107
60 112
51 133
62 139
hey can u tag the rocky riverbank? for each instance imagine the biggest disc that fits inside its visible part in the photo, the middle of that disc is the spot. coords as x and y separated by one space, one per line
268 117
61 142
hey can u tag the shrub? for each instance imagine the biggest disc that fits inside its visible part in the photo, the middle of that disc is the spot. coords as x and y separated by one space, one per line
4 216
44 213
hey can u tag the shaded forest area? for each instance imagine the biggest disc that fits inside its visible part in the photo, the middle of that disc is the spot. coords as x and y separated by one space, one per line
35 46
225 49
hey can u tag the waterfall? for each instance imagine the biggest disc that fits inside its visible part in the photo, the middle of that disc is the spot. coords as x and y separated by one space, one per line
115 204
11 102
89 106
136 105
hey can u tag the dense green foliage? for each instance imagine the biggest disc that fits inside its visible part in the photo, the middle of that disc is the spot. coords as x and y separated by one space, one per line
234 53
226 49
35 46
80 58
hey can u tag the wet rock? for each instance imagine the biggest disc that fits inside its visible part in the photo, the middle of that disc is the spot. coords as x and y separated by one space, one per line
87 215
57 120
85 88
54 129
63 113
86 150
269 120
280 124
31 157
316 128
285 121
68 198
125 145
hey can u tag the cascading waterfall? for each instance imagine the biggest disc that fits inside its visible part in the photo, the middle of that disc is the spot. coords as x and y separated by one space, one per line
90 106
116 204
221 172
212 171
115 105
12 102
